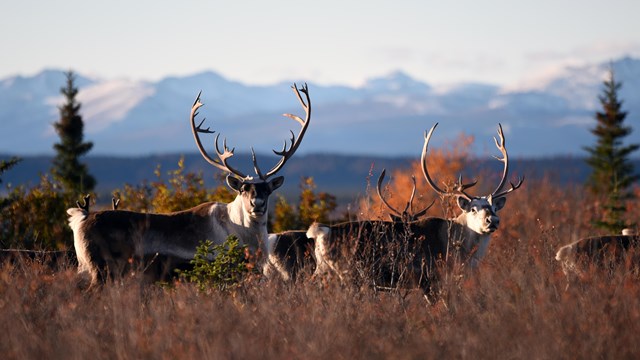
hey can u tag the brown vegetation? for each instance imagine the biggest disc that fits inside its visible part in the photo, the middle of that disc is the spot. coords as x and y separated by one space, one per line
516 305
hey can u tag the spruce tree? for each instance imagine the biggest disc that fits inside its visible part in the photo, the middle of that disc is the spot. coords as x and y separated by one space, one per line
612 172
5 165
67 169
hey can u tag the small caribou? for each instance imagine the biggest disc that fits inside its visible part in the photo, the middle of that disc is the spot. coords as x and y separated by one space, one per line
596 249
423 243
106 242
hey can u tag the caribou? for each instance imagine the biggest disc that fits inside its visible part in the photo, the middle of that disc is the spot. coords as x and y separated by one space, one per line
288 252
600 250
479 217
421 244
108 242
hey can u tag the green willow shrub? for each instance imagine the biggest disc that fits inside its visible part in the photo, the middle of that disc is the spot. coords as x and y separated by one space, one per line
182 190
218 266
311 207
37 218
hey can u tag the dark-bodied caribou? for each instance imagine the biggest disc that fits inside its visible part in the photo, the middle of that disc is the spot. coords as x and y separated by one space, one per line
288 252
418 243
576 257
107 243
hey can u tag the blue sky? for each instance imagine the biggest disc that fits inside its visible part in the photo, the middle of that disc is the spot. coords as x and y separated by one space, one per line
329 41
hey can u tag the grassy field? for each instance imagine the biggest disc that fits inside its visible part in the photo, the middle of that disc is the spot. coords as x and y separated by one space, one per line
515 306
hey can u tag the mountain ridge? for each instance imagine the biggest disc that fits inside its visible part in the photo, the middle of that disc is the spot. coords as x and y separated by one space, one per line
385 116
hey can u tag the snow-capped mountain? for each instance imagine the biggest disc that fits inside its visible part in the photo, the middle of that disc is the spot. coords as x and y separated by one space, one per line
385 116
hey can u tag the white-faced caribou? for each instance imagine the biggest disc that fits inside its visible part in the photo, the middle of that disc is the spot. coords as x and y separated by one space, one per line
107 243
409 250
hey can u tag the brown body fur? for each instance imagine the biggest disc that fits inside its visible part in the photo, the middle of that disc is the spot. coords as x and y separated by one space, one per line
391 252
110 243
597 249
289 252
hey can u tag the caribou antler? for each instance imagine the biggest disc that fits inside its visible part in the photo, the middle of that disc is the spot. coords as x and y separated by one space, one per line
505 159
512 188
226 153
423 161
406 214
223 156
295 142
85 203
460 187
114 203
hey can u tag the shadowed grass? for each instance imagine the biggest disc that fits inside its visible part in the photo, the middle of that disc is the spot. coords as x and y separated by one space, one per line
516 305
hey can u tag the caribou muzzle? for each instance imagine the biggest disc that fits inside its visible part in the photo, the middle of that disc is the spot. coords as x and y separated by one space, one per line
491 224
258 210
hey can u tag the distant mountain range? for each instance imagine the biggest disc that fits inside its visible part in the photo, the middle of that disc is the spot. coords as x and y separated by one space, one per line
385 117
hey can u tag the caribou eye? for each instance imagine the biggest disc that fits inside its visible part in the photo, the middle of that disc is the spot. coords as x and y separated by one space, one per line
474 209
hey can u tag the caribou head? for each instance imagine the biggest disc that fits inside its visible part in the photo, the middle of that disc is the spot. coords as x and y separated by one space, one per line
479 213
253 193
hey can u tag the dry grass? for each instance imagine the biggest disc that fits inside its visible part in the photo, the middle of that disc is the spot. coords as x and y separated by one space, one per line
514 306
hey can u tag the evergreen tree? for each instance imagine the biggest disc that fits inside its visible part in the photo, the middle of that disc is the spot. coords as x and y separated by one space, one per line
5 165
612 172
67 169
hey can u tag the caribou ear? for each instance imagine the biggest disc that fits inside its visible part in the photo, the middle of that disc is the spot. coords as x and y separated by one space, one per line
499 203
464 203
276 183
234 183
